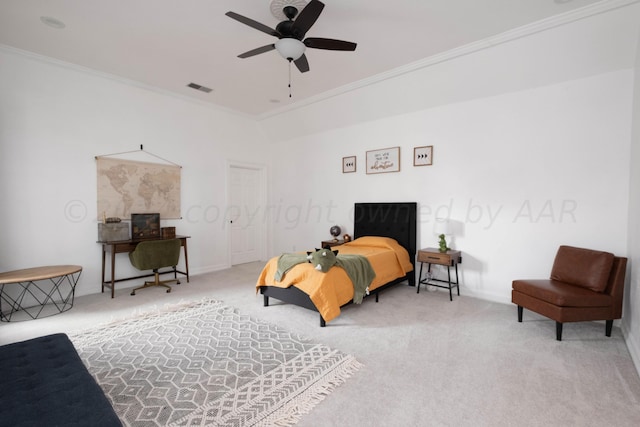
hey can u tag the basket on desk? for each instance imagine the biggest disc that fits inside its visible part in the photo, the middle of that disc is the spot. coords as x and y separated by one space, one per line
168 232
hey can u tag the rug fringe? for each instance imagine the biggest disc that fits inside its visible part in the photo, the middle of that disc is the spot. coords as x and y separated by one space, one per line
292 412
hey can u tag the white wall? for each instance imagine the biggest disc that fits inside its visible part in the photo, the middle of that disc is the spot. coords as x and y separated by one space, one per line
518 174
630 320
56 119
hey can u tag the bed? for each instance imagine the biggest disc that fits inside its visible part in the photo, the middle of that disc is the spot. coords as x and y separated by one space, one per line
389 223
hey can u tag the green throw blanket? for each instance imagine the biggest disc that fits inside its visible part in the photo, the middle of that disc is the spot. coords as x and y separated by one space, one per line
357 267
286 262
360 272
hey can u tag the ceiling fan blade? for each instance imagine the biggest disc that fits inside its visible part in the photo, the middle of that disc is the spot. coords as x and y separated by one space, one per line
302 63
329 44
257 51
308 17
253 24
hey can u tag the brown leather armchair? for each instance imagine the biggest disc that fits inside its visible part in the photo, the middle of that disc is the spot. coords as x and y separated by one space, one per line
584 285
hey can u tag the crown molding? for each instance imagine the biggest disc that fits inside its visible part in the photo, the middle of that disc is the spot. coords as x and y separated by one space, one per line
129 82
514 34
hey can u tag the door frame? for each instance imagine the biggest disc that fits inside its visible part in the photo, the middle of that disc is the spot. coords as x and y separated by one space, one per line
262 239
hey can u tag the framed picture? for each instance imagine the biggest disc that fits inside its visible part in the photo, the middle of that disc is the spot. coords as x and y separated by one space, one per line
145 226
349 164
384 160
423 156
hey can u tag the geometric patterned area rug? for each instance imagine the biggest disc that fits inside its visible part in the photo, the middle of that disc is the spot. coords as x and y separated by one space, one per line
204 364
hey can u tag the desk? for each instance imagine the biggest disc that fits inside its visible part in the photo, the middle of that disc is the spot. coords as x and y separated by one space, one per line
127 246
63 278
449 259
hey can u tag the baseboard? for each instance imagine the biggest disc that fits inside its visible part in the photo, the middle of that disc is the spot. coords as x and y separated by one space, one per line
488 296
207 269
633 345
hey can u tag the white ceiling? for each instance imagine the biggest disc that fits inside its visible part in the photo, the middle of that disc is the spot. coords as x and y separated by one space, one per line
168 44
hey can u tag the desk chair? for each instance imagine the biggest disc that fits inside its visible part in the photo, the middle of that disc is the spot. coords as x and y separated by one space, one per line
153 255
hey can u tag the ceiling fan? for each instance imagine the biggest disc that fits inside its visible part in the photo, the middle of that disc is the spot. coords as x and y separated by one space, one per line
291 32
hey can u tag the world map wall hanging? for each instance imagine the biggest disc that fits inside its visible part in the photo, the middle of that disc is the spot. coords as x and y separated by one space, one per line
128 186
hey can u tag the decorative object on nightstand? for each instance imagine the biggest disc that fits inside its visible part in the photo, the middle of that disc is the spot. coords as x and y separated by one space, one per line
335 232
347 238
442 244
449 258
441 229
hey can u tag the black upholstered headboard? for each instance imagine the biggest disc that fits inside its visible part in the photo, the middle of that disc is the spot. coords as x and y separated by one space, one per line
395 220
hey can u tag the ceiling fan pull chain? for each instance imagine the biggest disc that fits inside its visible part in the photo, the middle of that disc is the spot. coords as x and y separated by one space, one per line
289 78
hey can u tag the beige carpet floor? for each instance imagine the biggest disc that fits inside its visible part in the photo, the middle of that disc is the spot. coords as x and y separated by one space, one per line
427 361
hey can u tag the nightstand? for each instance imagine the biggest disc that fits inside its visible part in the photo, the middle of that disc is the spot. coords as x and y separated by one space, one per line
331 243
450 258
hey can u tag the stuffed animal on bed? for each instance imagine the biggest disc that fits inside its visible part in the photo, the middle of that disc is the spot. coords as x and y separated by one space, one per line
322 259
357 267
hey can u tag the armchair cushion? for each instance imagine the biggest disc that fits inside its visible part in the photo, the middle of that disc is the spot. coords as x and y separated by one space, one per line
584 268
562 294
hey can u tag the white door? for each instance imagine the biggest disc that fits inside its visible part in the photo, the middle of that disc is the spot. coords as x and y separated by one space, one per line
245 214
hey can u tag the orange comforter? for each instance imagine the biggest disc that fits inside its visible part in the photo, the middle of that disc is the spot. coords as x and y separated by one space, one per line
332 289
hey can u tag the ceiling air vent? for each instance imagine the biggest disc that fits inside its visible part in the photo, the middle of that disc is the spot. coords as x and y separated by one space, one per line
199 87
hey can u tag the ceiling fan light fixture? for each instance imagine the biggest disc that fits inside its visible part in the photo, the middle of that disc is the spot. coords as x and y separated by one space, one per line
290 48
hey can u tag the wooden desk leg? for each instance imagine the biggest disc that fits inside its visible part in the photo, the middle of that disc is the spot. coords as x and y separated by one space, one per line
186 260
113 270
104 255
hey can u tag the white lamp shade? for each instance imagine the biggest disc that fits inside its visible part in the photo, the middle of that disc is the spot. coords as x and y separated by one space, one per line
290 48
441 226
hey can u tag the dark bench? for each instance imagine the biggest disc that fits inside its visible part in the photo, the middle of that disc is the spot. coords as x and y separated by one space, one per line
44 383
